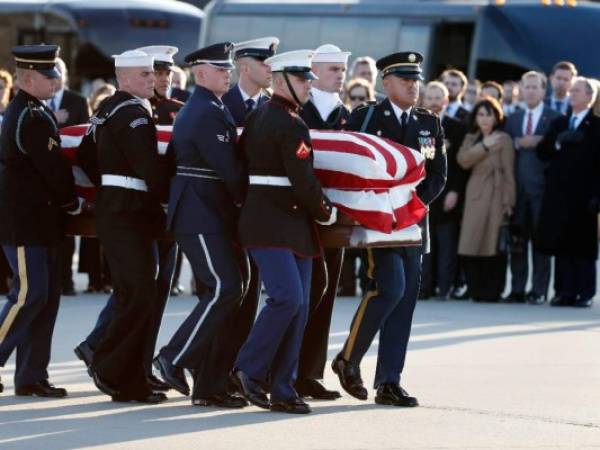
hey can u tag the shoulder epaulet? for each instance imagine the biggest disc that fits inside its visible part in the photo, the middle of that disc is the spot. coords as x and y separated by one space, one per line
421 110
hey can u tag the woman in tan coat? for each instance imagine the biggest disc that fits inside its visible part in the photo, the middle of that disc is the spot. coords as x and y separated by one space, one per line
489 200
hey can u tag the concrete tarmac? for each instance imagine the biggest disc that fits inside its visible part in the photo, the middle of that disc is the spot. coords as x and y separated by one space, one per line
488 376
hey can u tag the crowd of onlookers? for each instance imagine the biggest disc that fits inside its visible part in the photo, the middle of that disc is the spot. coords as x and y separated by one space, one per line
500 207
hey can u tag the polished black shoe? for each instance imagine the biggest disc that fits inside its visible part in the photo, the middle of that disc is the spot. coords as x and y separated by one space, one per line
153 398
41 389
249 389
580 303
102 385
85 353
514 297
314 389
349 375
1 385
223 400
172 375
393 394
157 385
291 406
534 299
561 300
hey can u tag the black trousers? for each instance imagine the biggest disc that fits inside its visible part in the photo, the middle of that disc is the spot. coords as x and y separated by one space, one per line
440 265
324 284
486 276
119 357
66 251
5 274
575 277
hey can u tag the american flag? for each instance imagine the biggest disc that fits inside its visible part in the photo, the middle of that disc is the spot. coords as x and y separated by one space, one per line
371 179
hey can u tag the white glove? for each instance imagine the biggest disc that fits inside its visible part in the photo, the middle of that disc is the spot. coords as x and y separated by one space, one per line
332 217
78 210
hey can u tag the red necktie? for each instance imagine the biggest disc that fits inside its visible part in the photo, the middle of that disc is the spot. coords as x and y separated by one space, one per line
529 126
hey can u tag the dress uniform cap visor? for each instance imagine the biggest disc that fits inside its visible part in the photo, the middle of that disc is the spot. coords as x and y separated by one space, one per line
163 55
297 62
403 65
261 48
218 55
134 58
41 58
329 53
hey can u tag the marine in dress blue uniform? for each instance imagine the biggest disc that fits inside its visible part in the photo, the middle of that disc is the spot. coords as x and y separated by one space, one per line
209 184
36 188
389 303
283 188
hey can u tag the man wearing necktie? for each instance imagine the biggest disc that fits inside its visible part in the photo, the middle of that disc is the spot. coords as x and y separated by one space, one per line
527 127
568 224
561 80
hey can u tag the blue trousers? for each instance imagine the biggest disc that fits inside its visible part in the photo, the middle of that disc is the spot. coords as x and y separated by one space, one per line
165 253
201 340
271 353
387 307
27 319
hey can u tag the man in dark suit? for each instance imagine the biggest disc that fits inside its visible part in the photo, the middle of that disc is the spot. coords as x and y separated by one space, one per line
323 111
254 77
395 273
440 266
70 108
456 82
568 224
527 127
561 80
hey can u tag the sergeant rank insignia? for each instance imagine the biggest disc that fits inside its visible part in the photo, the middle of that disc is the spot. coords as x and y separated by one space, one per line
427 144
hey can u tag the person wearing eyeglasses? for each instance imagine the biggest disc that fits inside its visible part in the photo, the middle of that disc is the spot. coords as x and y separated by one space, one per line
358 92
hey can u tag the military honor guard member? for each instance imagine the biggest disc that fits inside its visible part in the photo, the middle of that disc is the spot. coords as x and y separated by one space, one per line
164 110
323 111
283 188
255 77
209 184
129 217
36 189
394 272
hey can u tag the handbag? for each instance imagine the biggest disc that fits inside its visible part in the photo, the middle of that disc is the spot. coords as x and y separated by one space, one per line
510 238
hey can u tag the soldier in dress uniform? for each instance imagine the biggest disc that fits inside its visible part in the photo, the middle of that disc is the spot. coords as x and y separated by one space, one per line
394 272
164 110
36 189
209 184
283 188
254 77
323 111
129 218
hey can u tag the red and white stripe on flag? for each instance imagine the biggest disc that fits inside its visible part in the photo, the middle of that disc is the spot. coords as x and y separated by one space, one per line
369 178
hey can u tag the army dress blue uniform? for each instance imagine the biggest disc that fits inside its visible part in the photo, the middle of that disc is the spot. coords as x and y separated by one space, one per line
209 183
395 273
36 188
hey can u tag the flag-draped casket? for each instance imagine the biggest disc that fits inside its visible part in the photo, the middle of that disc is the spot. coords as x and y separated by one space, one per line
370 179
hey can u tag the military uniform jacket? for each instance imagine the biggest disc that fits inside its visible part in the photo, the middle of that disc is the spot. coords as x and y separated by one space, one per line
235 103
36 183
336 120
164 109
210 179
276 142
127 146
423 132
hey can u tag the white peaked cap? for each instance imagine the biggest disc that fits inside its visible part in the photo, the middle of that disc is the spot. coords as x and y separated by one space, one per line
329 53
161 53
257 48
293 61
134 58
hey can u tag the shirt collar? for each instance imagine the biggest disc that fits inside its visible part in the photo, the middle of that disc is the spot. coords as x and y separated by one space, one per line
398 111
245 96
580 115
537 110
325 102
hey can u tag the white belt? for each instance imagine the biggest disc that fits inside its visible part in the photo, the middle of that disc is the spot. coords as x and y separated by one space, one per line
124 182
269 180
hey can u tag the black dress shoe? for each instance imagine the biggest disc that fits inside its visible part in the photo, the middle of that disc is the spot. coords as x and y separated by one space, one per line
580 303
249 389
157 385
291 406
534 299
514 297
393 394
561 300
153 398
314 389
85 353
41 389
172 375
349 375
102 385
223 400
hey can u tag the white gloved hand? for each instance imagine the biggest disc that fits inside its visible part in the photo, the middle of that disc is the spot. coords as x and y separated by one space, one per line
78 210
332 217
